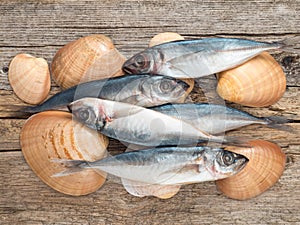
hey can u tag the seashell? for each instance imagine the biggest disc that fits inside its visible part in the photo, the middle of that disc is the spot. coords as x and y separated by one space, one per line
89 58
165 37
51 135
29 77
259 82
140 189
266 165
168 37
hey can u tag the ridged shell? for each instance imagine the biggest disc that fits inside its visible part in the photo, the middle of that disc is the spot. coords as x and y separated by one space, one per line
167 37
89 58
54 135
266 165
259 82
29 77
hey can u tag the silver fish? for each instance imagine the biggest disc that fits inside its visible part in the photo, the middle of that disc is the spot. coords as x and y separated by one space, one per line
165 166
202 57
215 119
143 90
138 125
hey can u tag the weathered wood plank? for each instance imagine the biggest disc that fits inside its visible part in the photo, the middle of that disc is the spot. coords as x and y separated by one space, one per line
42 27
55 19
25 199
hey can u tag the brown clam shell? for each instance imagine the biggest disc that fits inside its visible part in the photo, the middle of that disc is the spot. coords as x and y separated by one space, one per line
54 135
266 165
259 82
88 58
167 37
29 77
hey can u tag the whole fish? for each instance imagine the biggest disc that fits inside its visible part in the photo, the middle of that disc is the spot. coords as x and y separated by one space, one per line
165 166
215 119
143 90
137 125
201 57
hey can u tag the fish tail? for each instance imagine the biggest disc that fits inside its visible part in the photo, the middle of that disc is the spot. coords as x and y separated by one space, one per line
72 166
15 111
291 44
278 122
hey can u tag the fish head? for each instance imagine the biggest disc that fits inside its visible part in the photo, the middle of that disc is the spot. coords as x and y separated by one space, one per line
163 89
222 163
140 63
88 112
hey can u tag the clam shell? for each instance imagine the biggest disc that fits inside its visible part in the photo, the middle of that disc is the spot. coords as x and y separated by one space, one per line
266 165
54 135
89 58
29 77
167 37
259 82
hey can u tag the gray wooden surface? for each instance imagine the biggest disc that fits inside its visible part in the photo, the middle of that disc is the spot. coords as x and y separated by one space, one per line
42 27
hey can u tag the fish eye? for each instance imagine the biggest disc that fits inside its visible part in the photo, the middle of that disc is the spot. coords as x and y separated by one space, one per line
140 61
228 158
84 114
165 86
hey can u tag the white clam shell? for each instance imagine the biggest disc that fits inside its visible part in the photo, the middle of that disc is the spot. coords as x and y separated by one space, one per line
29 77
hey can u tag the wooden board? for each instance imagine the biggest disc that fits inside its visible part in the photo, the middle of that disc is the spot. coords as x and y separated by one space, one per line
42 27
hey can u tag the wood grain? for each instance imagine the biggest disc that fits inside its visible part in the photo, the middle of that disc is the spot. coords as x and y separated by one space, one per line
41 27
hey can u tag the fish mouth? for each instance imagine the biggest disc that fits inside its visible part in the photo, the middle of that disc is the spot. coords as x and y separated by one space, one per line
127 68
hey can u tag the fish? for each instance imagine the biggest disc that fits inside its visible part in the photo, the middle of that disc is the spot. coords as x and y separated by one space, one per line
143 90
216 119
138 125
201 57
165 166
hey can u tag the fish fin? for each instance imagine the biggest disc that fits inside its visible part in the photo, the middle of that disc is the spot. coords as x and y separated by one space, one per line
291 44
141 189
278 122
72 166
